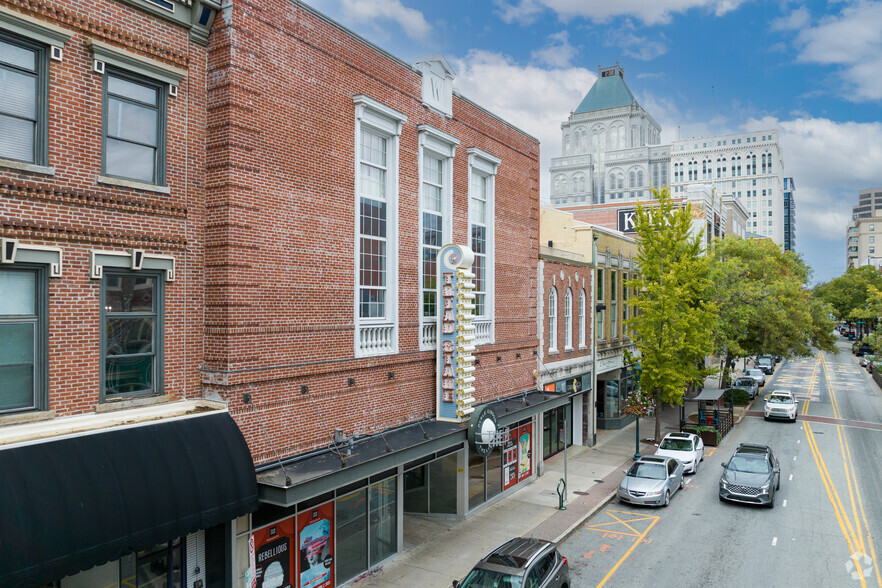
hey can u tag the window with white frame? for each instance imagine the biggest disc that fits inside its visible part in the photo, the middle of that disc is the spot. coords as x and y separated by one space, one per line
582 319
599 313
568 320
436 177
552 320
378 128
482 176
624 299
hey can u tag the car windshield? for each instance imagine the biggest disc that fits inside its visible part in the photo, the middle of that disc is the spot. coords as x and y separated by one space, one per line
779 399
744 382
653 471
676 444
755 372
748 465
763 360
478 578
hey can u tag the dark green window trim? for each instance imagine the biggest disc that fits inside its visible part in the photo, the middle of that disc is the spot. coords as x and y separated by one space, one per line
40 398
40 154
137 360
161 108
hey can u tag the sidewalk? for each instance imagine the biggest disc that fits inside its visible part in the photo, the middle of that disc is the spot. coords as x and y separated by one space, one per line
436 552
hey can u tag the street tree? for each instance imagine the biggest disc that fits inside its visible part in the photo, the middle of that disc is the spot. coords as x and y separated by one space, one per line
762 303
850 294
672 323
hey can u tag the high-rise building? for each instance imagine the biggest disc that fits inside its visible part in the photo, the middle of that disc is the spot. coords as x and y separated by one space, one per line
789 215
612 155
861 232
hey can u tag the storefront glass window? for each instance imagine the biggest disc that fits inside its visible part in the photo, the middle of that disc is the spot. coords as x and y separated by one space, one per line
351 534
612 400
556 435
416 490
383 520
476 480
442 485
494 473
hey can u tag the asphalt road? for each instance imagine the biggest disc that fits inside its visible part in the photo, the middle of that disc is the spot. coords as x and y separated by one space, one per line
821 530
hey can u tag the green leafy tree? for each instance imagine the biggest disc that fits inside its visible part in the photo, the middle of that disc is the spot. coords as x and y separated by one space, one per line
850 293
762 304
672 325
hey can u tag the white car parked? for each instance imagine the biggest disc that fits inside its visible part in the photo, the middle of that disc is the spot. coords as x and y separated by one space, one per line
780 404
688 448
757 374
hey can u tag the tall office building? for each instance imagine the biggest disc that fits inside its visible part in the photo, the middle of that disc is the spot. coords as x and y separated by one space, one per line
861 232
612 154
789 215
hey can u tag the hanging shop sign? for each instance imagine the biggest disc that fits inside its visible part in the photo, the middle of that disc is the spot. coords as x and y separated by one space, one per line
316 546
274 555
456 334
483 430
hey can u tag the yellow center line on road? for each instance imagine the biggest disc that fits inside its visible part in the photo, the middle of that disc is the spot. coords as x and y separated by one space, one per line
627 553
844 523
853 489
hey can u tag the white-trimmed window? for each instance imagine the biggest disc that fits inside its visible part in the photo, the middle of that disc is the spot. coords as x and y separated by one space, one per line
599 313
437 149
613 301
482 176
552 320
378 128
582 319
568 320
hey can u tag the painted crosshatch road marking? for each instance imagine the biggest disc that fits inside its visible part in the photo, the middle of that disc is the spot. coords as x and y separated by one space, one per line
639 537
641 523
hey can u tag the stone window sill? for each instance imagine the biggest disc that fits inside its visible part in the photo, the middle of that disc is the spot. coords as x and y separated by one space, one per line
133 184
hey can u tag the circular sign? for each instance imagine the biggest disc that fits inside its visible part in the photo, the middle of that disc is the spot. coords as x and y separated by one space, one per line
482 430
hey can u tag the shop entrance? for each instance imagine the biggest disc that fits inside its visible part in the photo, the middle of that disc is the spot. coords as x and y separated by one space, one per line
554 440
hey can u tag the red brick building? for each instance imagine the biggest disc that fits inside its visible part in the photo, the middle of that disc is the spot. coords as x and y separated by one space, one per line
109 451
220 253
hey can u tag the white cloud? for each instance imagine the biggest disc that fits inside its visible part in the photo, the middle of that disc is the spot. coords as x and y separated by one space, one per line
557 52
830 162
852 41
523 13
376 15
647 11
794 21
534 99
633 45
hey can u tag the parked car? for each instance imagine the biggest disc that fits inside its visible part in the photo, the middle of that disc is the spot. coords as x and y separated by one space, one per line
748 384
866 359
520 562
651 480
766 363
861 348
686 447
780 404
758 375
752 475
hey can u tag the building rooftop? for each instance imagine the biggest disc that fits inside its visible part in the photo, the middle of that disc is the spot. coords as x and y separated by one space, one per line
609 91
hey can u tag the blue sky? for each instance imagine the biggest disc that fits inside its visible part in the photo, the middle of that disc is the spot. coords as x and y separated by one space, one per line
811 69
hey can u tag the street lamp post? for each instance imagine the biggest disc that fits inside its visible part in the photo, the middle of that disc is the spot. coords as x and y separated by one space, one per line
638 369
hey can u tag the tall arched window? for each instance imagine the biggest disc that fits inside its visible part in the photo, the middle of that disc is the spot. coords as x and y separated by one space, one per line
582 319
632 180
640 177
568 320
552 320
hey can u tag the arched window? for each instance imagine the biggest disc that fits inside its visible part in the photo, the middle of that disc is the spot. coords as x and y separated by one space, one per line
622 143
567 144
582 318
736 167
583 140
724 167
552 320
621 181
557 185
563 186
632 180
568 320
640 177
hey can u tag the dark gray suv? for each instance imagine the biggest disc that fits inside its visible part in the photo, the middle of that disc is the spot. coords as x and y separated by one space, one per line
520 563
752 475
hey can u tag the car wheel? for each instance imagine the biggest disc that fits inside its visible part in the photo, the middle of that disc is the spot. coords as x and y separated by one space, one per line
771 503
695 468
722 499
682 482
794 420
778 485
667 498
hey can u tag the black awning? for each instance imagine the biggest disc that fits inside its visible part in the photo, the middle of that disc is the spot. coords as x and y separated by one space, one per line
69 504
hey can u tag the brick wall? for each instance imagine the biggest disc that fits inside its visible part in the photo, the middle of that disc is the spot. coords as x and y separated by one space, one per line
280 232
72 211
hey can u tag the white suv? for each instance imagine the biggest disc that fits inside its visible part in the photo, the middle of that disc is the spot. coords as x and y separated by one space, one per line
780 404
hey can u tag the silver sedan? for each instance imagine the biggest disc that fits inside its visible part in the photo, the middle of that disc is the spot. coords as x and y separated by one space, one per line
652 481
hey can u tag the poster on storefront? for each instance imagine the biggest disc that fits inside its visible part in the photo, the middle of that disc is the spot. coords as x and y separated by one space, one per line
273 555
510 459
316 546
525 452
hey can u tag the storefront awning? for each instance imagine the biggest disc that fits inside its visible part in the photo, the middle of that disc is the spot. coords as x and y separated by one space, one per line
69 504
708 394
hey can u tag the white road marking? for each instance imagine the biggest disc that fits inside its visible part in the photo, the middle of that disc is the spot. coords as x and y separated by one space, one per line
774 541
689 481
791 477
797 441
785 503
794 458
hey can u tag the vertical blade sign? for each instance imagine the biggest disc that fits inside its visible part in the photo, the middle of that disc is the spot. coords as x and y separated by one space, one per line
456 334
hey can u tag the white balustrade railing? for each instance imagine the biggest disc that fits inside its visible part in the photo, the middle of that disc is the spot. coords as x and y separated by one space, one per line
376 339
